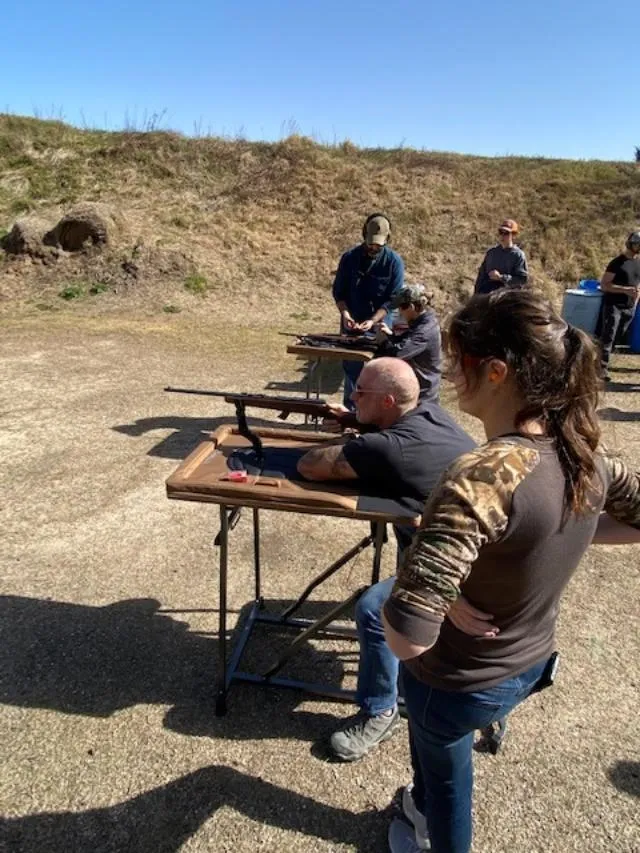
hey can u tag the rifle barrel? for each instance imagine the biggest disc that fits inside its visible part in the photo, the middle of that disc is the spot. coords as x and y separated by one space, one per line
262 401
196 391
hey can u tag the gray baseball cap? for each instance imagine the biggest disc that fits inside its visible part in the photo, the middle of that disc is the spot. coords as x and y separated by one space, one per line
411 293
634 237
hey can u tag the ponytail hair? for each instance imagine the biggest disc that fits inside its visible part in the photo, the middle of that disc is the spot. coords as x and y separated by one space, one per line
556 370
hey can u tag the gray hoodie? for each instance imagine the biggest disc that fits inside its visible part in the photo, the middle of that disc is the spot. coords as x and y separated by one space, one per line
511 262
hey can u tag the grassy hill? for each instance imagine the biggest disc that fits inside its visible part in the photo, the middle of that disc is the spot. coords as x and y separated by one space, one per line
252 227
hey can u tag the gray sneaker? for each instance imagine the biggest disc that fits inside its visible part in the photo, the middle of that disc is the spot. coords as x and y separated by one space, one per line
402 838
361 733
416 817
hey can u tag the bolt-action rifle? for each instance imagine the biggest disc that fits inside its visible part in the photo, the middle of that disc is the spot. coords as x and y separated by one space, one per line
284 405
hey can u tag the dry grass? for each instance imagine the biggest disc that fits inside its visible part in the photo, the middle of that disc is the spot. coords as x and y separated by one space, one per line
267 222
108 620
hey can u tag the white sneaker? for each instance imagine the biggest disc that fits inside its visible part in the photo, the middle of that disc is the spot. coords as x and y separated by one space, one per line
402 838
416 817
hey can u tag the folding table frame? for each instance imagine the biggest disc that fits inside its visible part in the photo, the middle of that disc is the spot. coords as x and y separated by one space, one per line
228 664
202 477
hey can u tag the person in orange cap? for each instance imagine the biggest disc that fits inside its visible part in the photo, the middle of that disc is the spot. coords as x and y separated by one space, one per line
505 264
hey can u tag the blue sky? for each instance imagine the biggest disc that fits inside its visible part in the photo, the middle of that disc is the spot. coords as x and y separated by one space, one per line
554 77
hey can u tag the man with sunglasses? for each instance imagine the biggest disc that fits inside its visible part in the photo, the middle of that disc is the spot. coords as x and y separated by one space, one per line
368 275
419 342
504 265
403 460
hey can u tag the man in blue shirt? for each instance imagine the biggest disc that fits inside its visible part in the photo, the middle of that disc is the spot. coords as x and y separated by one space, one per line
368 276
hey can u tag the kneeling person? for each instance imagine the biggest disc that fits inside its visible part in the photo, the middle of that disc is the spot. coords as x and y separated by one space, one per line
404 461
418 344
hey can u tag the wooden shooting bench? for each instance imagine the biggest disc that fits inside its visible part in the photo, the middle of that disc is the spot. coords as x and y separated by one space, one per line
210 474
315 353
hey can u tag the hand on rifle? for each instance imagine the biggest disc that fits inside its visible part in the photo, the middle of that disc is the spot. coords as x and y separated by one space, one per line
344 420
348 322
382 332
472 621
364 326
333 424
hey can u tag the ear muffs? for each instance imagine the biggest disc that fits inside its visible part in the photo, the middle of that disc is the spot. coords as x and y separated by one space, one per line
373 216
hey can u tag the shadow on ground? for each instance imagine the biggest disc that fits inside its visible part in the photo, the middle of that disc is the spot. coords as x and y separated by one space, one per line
163 819
188 432
625 775
329 373
621 387
624 370
613 414
79 659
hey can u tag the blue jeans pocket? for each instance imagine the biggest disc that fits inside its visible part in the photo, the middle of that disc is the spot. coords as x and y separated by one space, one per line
464 713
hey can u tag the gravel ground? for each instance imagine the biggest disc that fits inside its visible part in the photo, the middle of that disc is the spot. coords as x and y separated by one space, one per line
108 621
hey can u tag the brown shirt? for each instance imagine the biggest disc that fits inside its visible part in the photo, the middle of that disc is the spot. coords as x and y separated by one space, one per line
493 531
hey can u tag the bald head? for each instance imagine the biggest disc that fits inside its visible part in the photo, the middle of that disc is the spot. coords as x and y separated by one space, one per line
394 377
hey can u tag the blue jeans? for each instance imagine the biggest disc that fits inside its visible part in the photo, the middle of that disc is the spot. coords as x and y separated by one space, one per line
378 672
441 727
352 369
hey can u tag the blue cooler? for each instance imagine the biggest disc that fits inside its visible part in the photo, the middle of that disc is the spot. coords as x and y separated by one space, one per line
634 332
581 308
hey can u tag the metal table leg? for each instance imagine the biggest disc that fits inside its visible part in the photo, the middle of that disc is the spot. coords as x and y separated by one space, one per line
380 534
221 695
321 578
313 630
313 365
256 557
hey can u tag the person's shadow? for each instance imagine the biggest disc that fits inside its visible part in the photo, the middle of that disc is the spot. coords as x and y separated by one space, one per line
625 775
613 414
163 819
621 388
328 373
79 659
187 433
624 370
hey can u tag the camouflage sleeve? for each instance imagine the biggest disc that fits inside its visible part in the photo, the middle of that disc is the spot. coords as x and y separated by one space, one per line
469 509
623 492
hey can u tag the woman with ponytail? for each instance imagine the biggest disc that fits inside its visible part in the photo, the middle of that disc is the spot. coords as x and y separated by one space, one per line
507 526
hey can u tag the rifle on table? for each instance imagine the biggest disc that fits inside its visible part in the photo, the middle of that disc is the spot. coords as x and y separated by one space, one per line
284 405
358 342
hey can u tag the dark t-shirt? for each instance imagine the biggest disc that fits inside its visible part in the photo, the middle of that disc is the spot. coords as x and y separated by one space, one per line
626 272
492 531
405 461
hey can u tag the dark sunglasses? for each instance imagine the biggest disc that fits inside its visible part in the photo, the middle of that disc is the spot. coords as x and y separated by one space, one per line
359 390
